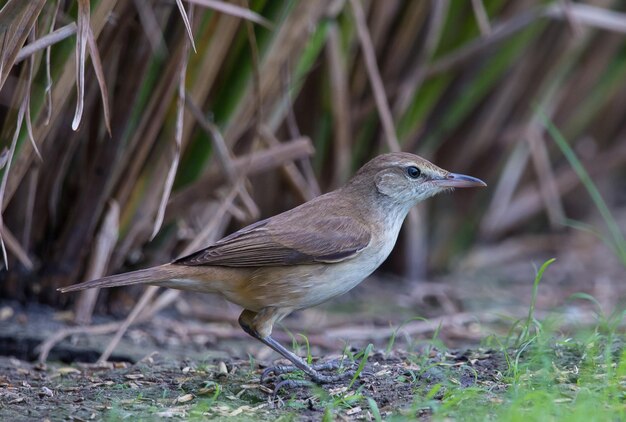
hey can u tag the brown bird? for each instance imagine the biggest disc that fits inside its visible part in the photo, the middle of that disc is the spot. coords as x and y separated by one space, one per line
307 255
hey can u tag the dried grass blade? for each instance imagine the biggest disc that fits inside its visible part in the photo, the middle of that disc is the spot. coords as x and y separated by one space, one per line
143 301
234 10
589 15
64 83
221 149
29 122
291 171
505 189
528 202
48 89
183 14
10 11
612 225
5 176
209 234
46 346
374 76
46 41
411 85
17 17
340 106
547 185
3 49
481 17
105 242
82 36
180 120
256 79
16 249
224 156
571 20
97 65
4 157
287 44
29 208
151 26
249 165
415 237
499 32
204 236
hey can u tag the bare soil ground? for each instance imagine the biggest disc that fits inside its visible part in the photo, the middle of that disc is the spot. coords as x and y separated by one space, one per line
160 387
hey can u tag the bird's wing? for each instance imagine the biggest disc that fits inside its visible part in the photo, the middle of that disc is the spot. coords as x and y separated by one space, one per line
287 241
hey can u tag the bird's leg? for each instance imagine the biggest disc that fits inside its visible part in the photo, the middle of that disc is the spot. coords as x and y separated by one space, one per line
259 326
311 370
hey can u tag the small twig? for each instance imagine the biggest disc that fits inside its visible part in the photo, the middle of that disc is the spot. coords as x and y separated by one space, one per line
123 327
46 346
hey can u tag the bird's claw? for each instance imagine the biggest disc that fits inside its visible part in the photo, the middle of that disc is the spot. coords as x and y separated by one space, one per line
312 372
289 384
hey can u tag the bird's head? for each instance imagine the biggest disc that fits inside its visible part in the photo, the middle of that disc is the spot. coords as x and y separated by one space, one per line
408 179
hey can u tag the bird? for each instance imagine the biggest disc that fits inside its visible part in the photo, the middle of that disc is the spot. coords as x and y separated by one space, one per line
307 255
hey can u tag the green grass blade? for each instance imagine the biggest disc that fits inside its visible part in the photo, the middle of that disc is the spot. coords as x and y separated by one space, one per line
362 363
596 197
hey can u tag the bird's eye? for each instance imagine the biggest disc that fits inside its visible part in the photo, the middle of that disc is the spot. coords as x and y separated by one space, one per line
413 172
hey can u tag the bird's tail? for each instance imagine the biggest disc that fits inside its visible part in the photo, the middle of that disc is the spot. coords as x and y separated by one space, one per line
148 275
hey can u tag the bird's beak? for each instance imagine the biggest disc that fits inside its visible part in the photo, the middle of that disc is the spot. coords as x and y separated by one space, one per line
454 180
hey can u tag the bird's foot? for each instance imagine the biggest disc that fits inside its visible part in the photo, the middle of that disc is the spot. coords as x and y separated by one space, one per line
316 377
313 371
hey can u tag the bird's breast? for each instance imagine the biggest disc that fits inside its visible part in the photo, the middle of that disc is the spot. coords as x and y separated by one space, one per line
331 280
